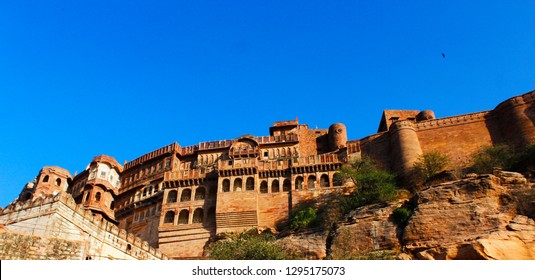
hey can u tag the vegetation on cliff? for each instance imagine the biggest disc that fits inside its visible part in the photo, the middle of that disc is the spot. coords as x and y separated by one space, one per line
249 246
372 185
427 166
504 157
396 224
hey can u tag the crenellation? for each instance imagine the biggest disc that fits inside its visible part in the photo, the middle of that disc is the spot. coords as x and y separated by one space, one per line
44 210
451 121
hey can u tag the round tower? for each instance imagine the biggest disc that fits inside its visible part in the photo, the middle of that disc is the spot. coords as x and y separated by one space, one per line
516 118
405 146
337 136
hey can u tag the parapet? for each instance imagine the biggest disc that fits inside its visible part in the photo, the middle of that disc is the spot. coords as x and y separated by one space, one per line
286 123
171 148
119 238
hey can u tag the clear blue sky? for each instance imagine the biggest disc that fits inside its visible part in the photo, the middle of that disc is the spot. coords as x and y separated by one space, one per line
123 78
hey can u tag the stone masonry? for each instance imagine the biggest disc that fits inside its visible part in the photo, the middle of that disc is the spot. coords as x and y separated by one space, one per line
177 198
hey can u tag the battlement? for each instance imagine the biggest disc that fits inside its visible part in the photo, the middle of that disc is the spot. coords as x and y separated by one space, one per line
452 121
184 174
115 237
214 145
277 139
171 148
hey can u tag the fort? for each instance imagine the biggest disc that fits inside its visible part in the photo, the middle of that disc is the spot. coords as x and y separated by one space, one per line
176 199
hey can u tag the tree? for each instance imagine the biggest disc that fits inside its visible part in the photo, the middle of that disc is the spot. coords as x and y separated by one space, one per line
372 185
525 161
428 165
488 158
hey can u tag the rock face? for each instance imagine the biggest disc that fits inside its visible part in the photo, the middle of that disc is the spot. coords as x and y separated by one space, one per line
476 218
310 246
368 228
481 217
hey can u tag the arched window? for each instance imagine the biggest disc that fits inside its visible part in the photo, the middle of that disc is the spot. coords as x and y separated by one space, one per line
237 184
299 183
264 187
171 196
169 217
275 186
28 196
183 217
128 248
97 197
226 185
112 205
324 181
186 195
58 182
286 186
200 193
198 216
311 183
249 184
46 179
338 179
144 192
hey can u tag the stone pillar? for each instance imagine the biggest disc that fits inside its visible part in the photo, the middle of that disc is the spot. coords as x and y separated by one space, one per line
405 146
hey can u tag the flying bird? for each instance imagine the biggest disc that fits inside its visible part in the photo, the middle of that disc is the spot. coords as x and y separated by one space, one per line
443 55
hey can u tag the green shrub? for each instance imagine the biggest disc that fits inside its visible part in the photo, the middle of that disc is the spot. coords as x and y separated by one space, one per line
428 165
401 216
372 185
488 158
525 160
303 218
245 246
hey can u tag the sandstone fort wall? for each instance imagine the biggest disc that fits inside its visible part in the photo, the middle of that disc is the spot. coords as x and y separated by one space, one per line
60 217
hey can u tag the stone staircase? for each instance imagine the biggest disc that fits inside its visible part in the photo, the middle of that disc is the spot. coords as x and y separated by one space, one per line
237 219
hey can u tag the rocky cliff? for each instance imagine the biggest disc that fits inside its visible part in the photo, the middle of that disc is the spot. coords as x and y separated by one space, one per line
479 217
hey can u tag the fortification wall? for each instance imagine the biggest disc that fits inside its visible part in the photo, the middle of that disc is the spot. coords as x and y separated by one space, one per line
457 137
236 211
377 147
60 217
16 246
272 208
185 241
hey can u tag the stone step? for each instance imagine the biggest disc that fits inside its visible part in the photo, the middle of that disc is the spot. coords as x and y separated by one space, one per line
236 219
